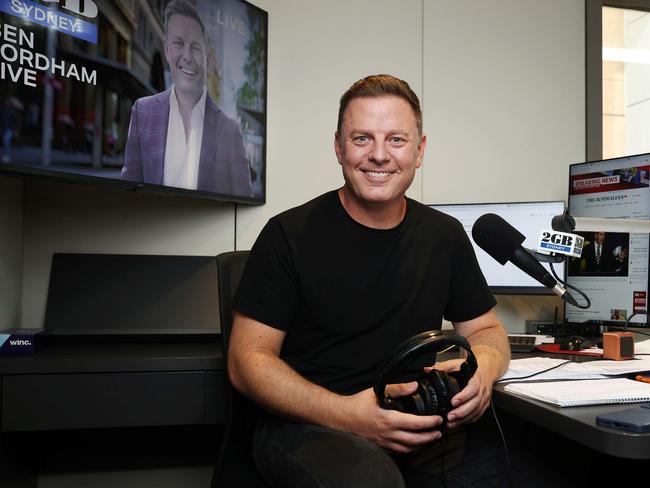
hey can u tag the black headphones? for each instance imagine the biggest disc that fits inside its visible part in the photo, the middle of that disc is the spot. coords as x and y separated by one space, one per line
435 388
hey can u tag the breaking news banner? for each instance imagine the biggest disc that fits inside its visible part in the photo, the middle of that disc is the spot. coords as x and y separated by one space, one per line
551 241
609 181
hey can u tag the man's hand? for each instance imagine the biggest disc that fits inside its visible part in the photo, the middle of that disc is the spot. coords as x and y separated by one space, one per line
472 401
396 431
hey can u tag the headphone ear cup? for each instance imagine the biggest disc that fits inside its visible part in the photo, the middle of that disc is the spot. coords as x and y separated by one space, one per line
419 401
463 376
440 397
454 385
429 397
445 386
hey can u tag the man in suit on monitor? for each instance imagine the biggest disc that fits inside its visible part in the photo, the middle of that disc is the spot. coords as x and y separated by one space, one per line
599 257
180 137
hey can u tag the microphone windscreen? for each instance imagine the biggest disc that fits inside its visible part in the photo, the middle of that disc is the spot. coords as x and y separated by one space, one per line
496 237
563 223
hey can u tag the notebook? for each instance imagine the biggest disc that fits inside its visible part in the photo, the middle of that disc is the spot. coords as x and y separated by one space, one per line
584 392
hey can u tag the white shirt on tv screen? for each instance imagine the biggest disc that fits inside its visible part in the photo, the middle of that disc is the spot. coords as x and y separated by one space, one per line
181 156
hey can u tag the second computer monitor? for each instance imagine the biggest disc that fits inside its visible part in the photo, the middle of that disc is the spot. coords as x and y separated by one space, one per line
529 218
613 268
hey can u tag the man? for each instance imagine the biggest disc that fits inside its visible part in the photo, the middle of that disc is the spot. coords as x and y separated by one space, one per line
332 286
180 137
599 258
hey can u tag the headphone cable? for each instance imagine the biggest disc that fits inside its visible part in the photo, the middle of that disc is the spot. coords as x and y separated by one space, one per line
503 441
496 419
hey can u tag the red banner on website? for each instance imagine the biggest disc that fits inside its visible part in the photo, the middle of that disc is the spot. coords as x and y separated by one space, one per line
616 180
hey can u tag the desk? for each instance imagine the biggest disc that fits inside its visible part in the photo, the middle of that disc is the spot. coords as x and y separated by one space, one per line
95 406
576 423
82 386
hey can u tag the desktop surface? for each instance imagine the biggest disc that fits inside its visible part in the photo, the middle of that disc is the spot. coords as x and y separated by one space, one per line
575 423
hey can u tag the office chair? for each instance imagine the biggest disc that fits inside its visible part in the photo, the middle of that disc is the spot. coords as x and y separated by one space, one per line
235 465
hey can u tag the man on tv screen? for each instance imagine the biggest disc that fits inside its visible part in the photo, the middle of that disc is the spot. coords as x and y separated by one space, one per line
180 137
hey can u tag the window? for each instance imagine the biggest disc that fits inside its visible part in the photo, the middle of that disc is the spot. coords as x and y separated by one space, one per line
626 82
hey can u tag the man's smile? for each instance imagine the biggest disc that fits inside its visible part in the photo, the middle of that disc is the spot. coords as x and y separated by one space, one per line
374 174
187 71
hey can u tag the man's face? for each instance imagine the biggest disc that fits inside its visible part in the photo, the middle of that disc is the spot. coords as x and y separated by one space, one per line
186 54
599 237
379 148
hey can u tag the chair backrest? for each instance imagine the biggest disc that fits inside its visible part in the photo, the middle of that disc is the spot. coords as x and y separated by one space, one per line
235 466
230 266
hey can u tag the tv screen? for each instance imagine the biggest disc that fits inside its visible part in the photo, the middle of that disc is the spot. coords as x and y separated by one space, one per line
158 95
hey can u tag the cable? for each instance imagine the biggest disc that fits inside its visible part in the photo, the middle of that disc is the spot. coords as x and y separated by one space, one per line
234 245
496 419
623 329
638 312
561 281
534 374
503 440
445 451
627 323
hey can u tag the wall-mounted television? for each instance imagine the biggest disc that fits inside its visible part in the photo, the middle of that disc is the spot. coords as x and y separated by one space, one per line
162 96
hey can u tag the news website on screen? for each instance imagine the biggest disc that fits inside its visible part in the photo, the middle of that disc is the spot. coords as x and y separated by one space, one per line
613 268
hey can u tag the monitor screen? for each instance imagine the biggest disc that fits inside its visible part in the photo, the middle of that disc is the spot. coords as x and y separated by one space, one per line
613 268
117 294
529 218
165 96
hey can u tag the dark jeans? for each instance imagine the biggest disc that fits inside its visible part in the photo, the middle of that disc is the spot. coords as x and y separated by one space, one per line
291 454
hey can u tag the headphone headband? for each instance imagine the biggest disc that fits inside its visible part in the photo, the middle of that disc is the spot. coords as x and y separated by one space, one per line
428 340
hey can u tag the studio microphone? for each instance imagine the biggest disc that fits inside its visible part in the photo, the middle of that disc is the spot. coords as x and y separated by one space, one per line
503 242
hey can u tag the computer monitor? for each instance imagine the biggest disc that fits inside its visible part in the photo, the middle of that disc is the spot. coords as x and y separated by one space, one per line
529 218
113 295
617 281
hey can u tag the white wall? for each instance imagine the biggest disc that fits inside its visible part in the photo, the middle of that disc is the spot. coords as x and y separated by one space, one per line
504 98
504 107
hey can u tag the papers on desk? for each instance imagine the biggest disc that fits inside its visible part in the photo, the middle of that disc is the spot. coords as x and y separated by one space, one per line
588 370
584 392
586 383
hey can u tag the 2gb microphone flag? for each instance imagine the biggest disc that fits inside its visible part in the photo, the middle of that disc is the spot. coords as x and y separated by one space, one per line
551 241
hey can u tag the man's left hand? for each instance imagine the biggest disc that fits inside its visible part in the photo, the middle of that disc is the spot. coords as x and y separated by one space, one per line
472 401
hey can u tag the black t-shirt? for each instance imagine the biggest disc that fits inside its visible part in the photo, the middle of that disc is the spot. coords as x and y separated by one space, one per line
347 294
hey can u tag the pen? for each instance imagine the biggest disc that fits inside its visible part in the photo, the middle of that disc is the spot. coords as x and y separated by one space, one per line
639 377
